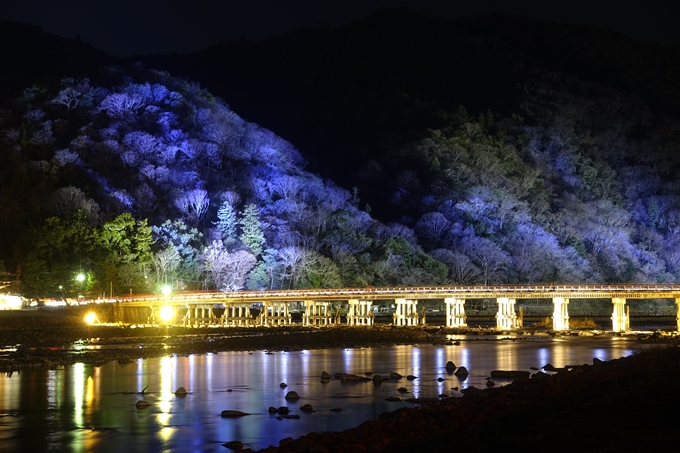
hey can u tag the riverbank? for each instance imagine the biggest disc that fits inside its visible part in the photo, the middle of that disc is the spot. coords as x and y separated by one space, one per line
624 405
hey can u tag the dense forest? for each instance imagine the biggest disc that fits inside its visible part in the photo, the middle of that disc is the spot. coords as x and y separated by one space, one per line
396 150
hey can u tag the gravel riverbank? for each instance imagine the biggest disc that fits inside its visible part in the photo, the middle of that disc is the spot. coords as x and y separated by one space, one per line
624 405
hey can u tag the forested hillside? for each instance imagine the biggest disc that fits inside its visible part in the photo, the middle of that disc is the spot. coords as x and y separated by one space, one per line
443 152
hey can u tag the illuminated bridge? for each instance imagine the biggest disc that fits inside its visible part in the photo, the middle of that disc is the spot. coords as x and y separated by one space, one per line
358 303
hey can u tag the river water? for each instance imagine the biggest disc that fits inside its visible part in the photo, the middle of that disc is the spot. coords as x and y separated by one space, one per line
87 408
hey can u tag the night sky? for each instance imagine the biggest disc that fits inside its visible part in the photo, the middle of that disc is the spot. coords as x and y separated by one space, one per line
129 27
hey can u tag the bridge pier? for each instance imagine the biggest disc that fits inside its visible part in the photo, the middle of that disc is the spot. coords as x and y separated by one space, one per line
360 313
279 314
677 313
405 313
236 314
316 314
199 315
620 322
560 313
506 317
455 312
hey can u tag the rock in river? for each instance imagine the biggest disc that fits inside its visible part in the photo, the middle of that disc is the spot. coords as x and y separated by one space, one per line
232 414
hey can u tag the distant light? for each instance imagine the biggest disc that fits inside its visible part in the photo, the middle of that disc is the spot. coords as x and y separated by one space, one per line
80 278
166 290
91 318
167 313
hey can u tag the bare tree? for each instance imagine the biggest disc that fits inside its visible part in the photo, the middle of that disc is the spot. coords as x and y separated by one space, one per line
165 263
432 226
68 200
226 270
193 204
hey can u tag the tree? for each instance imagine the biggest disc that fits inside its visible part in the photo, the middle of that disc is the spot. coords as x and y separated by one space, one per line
267 272
226 270
122 241
461 269
193 204
226 222
488 257
431 227
187 241
165 263
67 201
125 240
251 229
51 254
75 92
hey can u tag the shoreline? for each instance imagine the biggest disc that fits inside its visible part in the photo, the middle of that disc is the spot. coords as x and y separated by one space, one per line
604 406
59 345
623 405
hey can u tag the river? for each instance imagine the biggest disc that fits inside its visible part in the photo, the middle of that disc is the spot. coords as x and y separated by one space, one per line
85 408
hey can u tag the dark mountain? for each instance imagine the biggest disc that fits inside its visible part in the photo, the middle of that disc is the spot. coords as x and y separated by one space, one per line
344 95
31 56
486 150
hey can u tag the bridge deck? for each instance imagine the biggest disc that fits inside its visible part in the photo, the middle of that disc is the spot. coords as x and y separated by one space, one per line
623 291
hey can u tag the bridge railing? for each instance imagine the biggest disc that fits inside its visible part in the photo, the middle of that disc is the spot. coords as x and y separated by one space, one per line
463 290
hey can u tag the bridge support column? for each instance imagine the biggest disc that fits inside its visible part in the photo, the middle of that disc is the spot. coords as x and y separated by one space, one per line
620 321
360 313
677 314
455 312
275 313
316 314
199 315
560 313
506 317
237 314
188 317
405 313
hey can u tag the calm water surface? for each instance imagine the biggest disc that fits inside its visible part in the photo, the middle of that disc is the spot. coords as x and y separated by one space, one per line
87 408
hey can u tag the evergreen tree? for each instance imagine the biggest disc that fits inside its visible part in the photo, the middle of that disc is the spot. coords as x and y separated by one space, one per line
226 223
251 229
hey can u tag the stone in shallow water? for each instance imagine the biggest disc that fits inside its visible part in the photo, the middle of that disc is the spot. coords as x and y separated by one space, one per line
229 413
234 445
181 392
293 395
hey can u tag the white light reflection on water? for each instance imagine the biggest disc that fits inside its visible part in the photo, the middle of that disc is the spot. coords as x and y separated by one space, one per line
57 409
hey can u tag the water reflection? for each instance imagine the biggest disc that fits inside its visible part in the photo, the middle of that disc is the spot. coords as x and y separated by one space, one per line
92 408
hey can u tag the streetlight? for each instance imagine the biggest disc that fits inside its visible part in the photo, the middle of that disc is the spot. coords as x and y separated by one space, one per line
166 290
80 278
